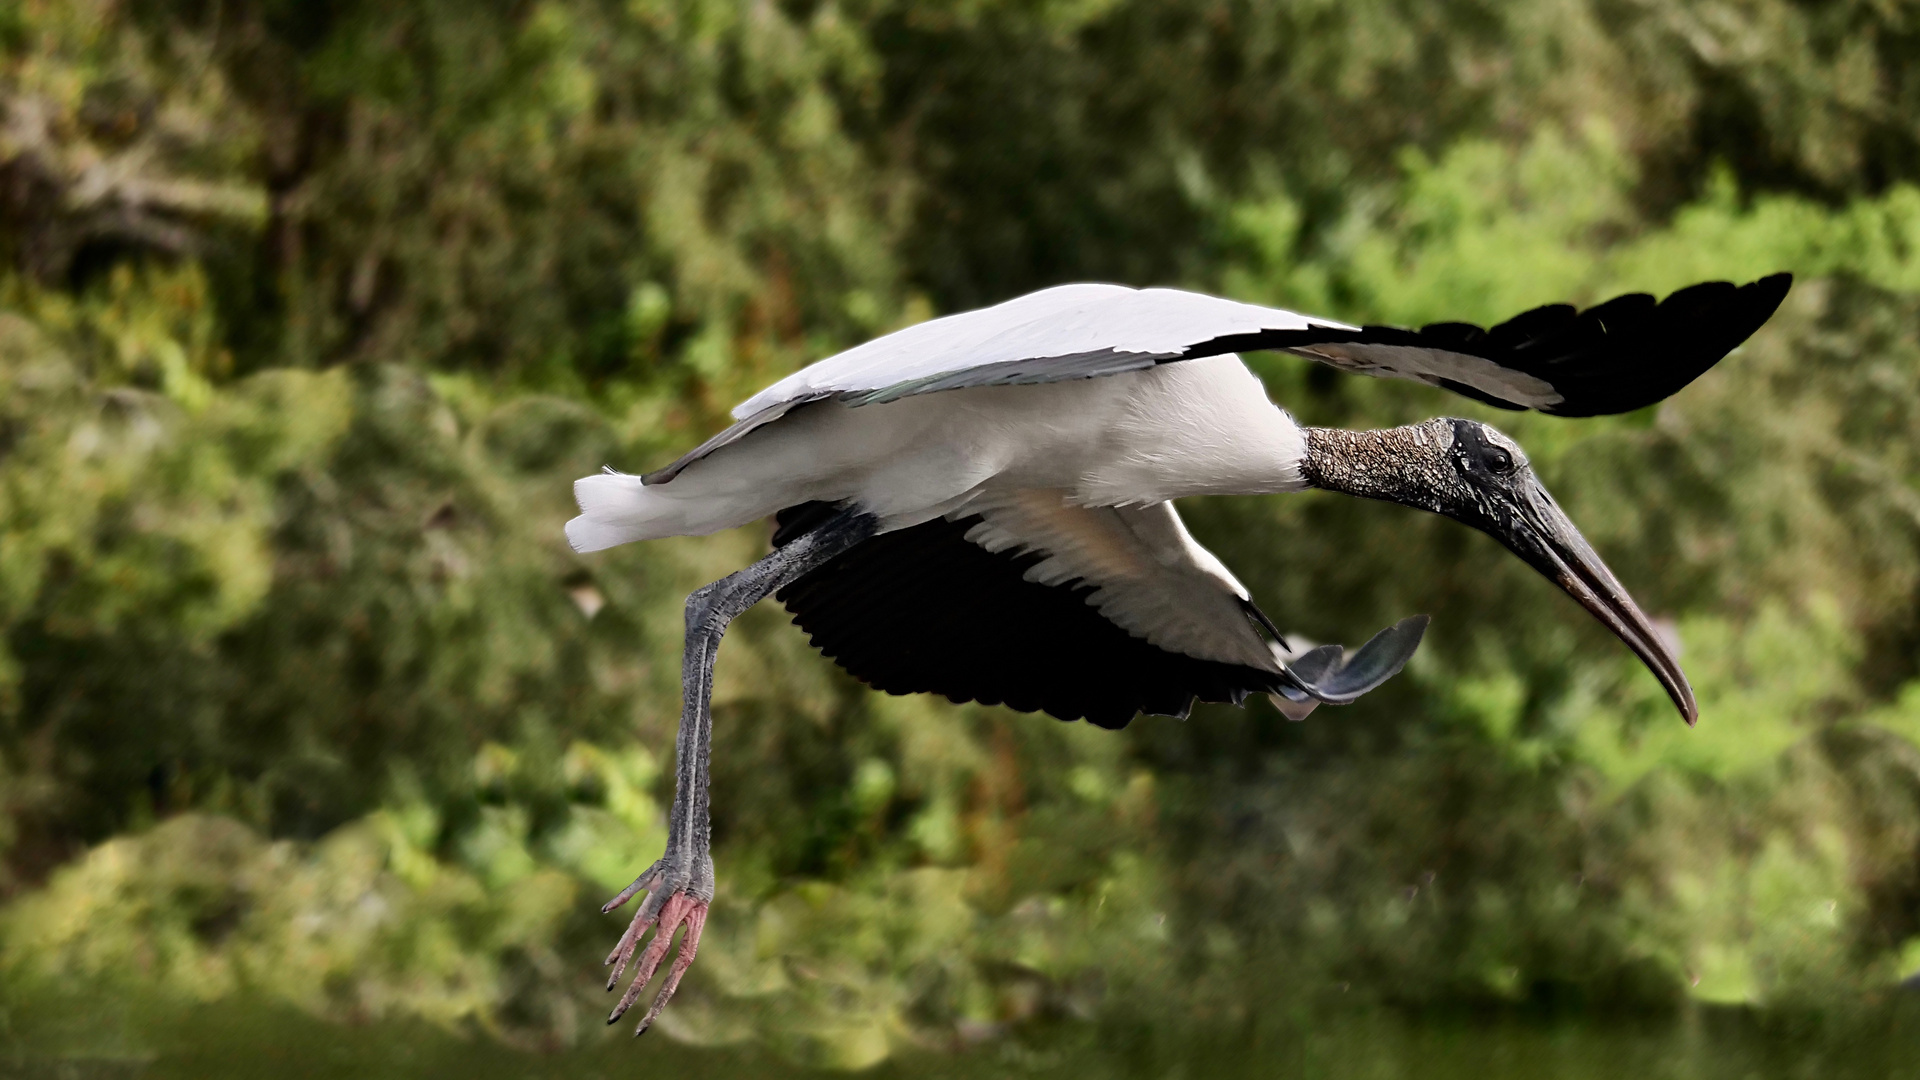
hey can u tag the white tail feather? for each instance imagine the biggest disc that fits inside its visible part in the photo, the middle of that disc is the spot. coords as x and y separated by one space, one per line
615 508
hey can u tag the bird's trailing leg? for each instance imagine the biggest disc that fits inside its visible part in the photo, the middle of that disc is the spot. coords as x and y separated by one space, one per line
680 885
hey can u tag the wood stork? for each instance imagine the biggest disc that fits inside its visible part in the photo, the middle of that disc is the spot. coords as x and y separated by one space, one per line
981 506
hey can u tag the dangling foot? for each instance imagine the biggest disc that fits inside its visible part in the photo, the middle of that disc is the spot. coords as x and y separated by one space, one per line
669 906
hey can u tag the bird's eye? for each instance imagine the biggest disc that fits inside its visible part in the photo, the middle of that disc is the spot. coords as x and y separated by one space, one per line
1499 462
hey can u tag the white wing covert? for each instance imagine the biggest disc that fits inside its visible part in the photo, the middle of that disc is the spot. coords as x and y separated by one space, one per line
1141 567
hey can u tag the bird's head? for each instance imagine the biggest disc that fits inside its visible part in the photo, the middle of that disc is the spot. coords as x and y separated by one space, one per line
1479 477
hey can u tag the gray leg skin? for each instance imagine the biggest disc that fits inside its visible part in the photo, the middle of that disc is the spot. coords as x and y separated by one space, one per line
680 885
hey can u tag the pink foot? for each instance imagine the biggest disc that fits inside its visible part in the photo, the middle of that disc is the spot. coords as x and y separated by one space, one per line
667 912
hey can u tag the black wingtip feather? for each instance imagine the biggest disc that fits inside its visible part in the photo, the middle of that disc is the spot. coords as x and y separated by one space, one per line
1625 354
1637 353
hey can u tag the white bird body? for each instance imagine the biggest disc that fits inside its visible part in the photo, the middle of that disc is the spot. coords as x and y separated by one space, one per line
1080 472
1141 437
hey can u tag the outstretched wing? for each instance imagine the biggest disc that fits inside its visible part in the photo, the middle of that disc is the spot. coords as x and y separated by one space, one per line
1616 357
1094 612
926 610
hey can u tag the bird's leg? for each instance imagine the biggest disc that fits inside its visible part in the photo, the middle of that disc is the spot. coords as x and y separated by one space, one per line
680 885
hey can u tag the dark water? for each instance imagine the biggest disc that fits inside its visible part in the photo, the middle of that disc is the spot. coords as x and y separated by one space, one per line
85 1041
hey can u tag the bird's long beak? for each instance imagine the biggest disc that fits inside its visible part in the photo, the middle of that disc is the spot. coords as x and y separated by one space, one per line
1540 532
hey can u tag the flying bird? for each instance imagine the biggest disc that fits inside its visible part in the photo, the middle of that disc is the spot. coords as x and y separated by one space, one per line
981 506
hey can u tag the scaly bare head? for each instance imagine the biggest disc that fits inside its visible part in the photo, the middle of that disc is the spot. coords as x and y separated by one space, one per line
1477 476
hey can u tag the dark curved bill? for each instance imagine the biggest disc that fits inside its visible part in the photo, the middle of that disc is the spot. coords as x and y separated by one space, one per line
1544 536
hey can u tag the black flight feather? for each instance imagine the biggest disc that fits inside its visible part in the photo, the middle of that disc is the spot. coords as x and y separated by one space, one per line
924 610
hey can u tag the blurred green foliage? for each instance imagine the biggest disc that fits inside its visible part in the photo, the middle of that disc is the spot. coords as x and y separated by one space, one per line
310 313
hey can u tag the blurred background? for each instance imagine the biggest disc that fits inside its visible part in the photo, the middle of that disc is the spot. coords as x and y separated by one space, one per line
319 749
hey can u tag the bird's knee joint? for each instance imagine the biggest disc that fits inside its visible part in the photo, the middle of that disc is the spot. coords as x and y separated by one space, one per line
704 606
700 605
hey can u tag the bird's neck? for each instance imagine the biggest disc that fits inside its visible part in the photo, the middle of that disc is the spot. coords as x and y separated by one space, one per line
1406 465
